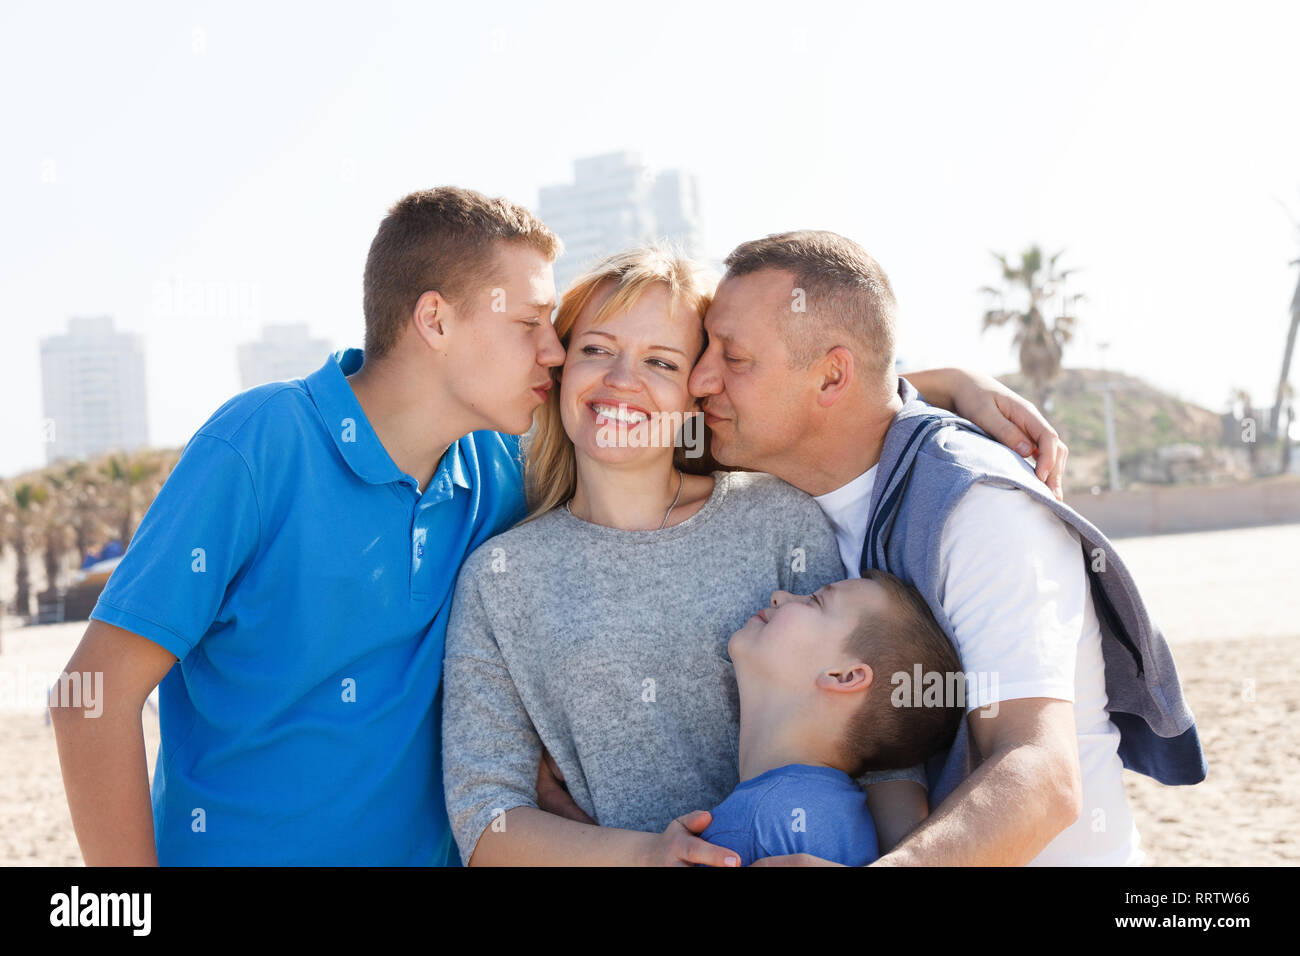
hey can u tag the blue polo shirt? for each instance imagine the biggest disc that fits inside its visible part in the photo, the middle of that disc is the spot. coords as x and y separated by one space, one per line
303 582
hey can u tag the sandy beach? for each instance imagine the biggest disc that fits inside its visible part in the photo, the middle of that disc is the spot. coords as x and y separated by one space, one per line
1229 602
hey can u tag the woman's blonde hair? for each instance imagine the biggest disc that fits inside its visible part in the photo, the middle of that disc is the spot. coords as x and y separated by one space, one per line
550 463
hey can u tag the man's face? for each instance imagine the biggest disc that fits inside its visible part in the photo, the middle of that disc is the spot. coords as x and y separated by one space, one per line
795 639
756 406
505 344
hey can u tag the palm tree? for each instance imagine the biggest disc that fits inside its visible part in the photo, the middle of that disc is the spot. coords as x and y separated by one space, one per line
1241 397
1039 345
23 507
1288 395
131 475
1287 352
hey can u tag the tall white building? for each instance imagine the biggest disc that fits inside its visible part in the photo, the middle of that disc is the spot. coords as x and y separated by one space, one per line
616 202
283 352
92 380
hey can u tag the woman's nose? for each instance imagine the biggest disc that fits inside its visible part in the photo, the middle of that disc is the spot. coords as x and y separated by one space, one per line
621 375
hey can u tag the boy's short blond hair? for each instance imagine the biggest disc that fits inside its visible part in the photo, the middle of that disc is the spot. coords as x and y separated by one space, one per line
882 735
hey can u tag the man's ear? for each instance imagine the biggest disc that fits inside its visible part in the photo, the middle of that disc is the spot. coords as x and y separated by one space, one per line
836 375
432 318
850 678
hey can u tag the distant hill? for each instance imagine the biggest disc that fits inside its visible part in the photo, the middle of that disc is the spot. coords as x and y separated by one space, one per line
1160 438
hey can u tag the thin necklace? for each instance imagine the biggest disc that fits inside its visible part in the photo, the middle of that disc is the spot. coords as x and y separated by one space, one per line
681 478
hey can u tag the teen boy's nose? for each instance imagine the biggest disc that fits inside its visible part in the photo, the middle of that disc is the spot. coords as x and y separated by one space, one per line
551 352
782 597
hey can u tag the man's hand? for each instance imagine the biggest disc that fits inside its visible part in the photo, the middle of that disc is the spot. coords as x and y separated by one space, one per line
794 859
553 796
1015 422
1005 416
679 845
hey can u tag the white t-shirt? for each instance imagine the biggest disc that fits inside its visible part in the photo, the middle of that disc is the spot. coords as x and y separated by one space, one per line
1015 589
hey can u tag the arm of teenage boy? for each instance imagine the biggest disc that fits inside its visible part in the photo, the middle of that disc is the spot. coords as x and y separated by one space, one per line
199 534
1016 600
1002 414
105 771
490 757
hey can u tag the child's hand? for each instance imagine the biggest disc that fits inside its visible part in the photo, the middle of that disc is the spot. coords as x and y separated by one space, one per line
680 846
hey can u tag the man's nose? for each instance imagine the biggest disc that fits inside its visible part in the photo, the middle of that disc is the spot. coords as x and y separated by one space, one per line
704 380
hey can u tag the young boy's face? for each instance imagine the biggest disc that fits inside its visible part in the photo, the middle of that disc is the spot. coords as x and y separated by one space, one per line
797 639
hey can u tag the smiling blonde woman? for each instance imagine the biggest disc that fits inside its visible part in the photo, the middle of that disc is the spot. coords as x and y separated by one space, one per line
597 629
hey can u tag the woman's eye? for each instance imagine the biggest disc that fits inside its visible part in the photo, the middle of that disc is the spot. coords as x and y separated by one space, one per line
591 349
665 365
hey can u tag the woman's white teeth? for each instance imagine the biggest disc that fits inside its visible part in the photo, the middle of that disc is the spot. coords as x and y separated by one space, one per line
620 413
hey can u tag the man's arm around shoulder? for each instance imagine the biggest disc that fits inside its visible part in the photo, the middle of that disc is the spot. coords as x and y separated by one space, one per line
1026 790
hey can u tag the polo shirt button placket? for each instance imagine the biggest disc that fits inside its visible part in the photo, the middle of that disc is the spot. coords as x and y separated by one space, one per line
439 492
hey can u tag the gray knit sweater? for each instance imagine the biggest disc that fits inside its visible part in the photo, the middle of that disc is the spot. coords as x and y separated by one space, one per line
609 647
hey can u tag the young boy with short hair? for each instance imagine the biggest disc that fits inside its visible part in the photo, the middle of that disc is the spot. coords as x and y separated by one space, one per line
820 704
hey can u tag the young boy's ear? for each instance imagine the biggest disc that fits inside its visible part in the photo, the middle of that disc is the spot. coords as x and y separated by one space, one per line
851 678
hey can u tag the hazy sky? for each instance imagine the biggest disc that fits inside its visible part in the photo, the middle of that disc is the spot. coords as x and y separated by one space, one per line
252 149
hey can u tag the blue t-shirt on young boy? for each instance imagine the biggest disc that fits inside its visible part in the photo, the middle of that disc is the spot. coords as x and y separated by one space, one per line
303 582
796 809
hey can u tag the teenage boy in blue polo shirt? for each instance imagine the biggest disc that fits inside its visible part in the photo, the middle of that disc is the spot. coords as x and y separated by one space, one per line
289 585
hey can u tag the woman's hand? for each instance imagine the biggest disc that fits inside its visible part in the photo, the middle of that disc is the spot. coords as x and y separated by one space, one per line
679 845
1005 416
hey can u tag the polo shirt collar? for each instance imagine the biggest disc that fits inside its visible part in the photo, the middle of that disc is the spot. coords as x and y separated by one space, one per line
353 435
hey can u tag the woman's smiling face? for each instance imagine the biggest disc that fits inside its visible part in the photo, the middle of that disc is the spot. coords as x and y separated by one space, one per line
623 388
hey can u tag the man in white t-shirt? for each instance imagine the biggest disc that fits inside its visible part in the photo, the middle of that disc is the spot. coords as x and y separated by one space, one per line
798 380
1026 619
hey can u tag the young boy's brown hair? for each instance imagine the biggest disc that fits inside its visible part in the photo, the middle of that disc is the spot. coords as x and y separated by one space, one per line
889 734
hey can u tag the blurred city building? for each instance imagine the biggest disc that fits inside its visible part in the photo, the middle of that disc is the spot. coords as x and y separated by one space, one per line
616 202
93 385
283 352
